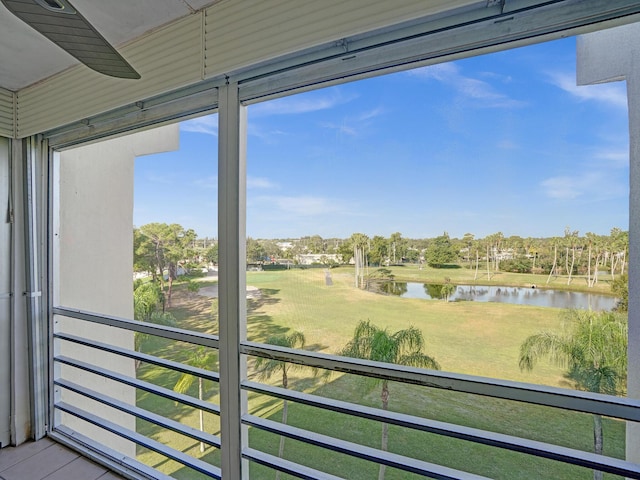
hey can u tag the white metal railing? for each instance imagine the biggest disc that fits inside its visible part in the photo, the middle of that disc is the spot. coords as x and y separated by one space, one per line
141 440
621 408
588 402
508 442
389 459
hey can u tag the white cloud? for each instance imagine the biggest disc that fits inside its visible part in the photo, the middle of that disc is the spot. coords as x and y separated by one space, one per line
155 178
478 89
440 72
253 183
613 94
258 182
310 102
356 124
592 185
368 115
304 205
484 94
341 128
207 125
507 145
564 187
267 136
616 159
208 183
496 76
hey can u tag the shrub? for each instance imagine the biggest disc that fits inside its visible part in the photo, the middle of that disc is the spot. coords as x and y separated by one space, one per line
516 265
147 297
620 288
163 318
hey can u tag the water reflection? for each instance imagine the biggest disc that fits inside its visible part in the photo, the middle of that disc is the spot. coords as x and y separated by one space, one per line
500 294
394 288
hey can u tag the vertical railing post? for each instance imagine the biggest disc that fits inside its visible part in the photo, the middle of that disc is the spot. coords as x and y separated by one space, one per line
34 153
607 56
633 380
53 271
232 281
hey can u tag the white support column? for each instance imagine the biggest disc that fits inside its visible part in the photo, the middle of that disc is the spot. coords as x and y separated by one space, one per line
35 156
20 404
633 379
232 277
606 56
5 292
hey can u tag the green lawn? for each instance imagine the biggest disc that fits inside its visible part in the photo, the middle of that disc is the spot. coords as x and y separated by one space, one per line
466 337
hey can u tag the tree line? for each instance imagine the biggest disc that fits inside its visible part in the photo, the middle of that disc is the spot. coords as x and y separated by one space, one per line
160 247
569 254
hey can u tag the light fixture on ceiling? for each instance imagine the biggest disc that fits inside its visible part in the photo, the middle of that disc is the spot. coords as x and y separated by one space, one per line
59 6
61 23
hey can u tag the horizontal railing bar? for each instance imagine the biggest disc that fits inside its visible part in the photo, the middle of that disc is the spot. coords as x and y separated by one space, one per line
508 442
104 455
588 402
143 357
360 451
290 468
171 333
197 465
141 413
142 385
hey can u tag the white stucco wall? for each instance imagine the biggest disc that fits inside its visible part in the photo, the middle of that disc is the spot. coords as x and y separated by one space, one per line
94 243
606 56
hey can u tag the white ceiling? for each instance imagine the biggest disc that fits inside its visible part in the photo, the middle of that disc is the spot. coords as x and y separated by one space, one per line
27 57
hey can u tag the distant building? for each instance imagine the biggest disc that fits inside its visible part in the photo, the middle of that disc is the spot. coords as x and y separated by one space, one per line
311 258
284 246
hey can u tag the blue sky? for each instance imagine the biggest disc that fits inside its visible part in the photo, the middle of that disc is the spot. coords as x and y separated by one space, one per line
502 142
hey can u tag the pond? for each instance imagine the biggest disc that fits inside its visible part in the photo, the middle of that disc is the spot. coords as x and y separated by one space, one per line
518 295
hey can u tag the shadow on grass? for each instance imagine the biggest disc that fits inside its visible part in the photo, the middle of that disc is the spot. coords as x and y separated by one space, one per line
167 378
538 423
174 410
185 473
315 347
193 312
267 297
530 421
210 456
261 326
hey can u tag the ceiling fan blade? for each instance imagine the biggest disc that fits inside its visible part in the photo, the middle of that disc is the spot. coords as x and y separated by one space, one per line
61 23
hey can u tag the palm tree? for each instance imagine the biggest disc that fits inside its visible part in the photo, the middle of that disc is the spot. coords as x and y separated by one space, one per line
403 347
360 242
146 299
159 318
266 367
571 239
554 267
448 289
200 358
594 351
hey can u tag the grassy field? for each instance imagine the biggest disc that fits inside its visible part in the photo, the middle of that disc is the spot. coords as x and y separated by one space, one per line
466 337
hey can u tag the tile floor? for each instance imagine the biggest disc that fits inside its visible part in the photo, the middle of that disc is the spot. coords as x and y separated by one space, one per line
48 460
